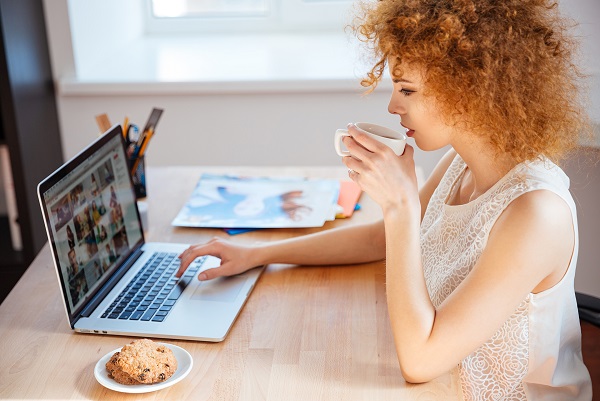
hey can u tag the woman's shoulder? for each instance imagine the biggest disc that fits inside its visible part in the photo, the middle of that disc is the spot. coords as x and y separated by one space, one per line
543 224
534 181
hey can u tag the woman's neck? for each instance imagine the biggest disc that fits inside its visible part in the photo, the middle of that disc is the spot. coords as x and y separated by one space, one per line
484 167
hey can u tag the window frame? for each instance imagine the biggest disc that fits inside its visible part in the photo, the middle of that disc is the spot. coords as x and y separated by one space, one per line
284 16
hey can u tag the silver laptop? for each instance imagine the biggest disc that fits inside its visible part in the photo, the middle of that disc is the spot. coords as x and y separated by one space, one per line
112 281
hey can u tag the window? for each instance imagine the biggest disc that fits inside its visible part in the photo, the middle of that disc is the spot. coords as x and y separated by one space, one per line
235 16
209 8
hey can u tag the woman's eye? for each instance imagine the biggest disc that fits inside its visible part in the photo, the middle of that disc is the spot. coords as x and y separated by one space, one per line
406 92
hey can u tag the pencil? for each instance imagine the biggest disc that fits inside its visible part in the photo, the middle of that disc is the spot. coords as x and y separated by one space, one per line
125 127
142 150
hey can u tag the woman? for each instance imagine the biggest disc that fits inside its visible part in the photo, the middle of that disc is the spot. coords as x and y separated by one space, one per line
480 262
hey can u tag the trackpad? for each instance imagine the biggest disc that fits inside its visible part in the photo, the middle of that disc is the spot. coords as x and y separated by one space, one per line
222 289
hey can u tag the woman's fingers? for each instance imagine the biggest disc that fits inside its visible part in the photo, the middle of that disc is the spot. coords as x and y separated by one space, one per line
196 251
234 258
352 163
364 140
209 274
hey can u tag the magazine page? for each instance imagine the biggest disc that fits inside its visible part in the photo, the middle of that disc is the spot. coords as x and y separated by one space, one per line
224 201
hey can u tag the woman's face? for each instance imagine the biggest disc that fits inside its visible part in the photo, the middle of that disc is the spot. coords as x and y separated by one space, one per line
418 113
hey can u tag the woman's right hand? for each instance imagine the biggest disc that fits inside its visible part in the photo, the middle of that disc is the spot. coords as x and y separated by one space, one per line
235 258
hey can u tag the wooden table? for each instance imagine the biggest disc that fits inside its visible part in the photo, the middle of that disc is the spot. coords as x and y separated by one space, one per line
306 333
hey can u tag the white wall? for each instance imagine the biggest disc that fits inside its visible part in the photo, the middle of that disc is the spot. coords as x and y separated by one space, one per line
584 172
586 13
101 27
235 129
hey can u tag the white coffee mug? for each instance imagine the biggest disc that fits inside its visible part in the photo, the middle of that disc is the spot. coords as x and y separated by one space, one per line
394 139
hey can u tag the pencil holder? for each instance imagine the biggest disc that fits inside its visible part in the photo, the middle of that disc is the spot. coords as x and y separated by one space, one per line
138 176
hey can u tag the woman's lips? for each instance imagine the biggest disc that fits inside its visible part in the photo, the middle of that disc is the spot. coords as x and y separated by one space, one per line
409 132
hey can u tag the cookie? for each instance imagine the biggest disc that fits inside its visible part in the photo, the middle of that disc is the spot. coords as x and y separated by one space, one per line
146 361
116 373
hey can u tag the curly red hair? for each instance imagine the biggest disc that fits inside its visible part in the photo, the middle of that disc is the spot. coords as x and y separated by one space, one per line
505 68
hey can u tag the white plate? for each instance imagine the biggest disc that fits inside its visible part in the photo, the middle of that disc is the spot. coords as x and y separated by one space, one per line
184 365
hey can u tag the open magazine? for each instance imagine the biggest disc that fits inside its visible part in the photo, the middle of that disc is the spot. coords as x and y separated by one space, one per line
227 201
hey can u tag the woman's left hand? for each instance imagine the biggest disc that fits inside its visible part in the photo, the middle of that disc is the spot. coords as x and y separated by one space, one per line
390 180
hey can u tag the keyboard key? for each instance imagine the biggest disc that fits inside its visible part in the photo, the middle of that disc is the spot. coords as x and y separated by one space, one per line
148 315
176 293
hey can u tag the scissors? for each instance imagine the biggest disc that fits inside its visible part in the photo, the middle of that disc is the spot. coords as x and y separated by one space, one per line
133 133
131 136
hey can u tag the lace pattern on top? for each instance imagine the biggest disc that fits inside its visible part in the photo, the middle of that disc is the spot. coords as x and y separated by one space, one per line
452 240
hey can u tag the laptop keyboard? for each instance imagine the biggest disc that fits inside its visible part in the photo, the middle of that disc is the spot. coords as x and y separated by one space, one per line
152 293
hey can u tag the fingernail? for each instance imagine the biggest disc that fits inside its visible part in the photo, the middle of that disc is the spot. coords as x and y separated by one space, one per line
202 277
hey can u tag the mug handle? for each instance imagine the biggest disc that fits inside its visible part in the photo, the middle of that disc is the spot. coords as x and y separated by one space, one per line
339 135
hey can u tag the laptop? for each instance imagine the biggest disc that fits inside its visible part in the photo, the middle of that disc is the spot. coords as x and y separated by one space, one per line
111 280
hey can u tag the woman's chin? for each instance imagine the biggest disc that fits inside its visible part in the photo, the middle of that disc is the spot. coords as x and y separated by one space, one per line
427 146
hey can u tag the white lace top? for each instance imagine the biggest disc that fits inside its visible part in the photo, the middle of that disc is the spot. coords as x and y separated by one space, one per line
536 353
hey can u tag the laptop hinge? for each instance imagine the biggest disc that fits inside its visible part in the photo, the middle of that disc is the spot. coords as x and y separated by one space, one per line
109 285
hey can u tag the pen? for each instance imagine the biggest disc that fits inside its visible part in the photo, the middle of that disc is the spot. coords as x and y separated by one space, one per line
126 127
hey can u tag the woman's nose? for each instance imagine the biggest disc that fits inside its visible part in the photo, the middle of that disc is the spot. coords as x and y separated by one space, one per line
395 105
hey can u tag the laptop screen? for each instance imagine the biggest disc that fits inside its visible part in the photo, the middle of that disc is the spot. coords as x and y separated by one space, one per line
91 217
